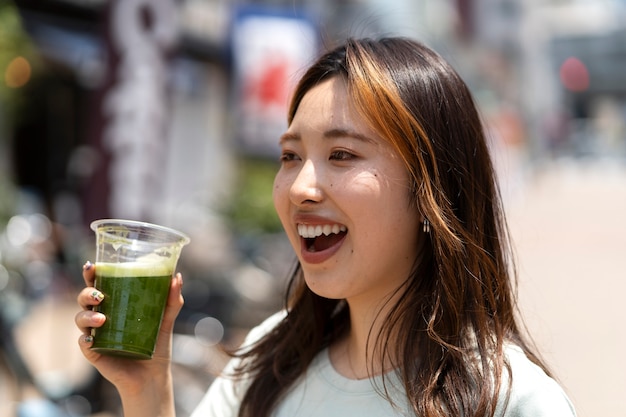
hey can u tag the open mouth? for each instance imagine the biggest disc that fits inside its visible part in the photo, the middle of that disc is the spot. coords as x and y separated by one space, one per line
321 237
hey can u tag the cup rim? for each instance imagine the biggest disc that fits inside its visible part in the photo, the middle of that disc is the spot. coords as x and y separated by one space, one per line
184 238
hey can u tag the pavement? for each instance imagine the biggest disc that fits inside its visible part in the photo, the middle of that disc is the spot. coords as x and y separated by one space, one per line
568 222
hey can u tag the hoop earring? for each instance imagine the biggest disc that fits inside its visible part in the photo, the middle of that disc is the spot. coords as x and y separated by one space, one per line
426 226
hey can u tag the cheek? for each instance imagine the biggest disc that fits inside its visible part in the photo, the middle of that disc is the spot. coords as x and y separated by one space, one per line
389 209
280 194
276 192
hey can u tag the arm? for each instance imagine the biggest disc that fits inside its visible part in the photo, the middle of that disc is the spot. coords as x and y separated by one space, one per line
155 398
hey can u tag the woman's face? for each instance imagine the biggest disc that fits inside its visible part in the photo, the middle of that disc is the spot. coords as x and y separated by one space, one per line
342 195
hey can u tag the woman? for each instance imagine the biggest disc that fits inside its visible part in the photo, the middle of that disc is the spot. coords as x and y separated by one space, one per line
401 302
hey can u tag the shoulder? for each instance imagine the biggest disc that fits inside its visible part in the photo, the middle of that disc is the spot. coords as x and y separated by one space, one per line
225 394
266 326
533 392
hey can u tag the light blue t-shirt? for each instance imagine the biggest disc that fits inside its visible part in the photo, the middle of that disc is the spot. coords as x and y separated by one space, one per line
323 392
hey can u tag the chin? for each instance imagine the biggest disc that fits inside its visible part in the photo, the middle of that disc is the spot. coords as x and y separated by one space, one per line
325 289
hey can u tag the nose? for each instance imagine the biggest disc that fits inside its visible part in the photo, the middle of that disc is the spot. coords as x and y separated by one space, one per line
306 186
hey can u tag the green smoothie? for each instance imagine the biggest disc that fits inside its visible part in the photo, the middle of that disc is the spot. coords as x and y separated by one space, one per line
135 296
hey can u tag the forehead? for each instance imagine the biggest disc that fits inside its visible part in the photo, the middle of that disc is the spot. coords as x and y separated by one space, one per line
330 97
328 106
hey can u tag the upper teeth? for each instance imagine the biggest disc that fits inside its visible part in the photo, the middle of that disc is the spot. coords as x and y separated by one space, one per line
308 231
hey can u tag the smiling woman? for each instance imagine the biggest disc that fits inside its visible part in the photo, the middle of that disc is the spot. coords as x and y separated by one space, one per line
401 303
368 199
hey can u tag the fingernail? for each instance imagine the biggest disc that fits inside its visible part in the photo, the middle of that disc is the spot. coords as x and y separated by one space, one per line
97 295
88 339
87 266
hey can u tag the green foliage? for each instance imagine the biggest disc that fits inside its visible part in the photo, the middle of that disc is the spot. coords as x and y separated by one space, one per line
251 208
14 42
7 200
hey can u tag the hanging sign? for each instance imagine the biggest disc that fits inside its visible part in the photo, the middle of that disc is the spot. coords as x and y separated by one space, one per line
270 50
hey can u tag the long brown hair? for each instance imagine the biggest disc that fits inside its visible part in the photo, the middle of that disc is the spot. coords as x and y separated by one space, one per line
457 310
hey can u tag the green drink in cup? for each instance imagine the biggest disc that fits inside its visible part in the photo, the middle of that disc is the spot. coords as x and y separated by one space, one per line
135 262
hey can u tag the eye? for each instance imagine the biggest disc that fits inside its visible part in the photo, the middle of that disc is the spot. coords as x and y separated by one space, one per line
342 155
288 156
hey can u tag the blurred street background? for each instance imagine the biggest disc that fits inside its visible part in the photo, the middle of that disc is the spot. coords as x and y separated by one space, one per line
169 111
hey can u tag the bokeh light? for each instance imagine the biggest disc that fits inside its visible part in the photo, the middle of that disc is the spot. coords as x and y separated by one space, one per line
209 331
18 72
574 75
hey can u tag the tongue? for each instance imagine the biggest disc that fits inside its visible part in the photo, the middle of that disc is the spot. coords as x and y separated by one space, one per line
323 242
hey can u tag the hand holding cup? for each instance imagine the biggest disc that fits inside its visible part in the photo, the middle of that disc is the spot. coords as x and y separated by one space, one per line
129 308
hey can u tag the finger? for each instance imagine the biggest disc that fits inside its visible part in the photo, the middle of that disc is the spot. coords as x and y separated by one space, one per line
85 342
89 270
87 320
89 297
175 302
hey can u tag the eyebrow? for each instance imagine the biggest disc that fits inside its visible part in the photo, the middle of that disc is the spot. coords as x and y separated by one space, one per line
330 134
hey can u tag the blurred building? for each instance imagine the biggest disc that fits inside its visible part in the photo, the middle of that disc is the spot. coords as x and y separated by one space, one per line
565 61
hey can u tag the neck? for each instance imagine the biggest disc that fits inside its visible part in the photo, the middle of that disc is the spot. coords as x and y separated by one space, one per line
357 355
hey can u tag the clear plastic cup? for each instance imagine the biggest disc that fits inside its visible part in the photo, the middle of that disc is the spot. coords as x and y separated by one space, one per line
135 262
